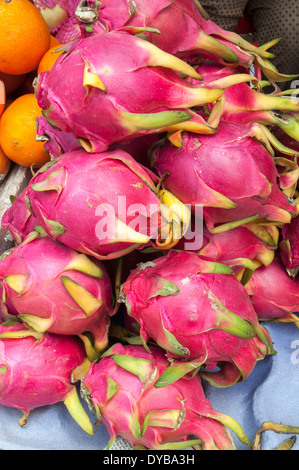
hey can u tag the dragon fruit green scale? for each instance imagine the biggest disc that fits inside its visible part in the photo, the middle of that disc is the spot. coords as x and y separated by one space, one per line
124 83
200 314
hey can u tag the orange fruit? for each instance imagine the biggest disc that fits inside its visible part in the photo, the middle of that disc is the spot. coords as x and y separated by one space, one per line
53 41
24 36
18 132
4 165
2 97
48 60
11 82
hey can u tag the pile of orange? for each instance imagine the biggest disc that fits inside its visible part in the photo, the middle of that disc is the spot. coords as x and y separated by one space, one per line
26 49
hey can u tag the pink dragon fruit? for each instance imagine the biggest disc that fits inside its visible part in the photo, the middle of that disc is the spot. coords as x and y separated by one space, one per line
19 219
89 202
53 288
288 247
180 27
121 389
244 104
274 294
238 247
134 85
39 369
231 174
199 313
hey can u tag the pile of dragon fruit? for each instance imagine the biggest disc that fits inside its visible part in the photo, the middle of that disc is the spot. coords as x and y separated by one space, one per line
154 104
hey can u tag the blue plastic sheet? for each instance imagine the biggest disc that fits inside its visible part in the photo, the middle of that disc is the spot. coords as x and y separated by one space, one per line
269 394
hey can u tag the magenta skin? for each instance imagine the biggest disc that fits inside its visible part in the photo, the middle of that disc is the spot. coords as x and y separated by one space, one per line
109 386
19 219
178 301
38 278
274 294
289 246
35 371
230 173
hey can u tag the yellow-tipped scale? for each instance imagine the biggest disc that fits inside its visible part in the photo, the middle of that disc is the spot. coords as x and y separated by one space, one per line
17 282
86 301
92 79
82 263
159 58
77 411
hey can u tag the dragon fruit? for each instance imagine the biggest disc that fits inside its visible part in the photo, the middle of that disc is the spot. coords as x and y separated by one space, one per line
288 247
238 247
232 174
246 103
53 288
39 369
89 202
274 294
179 27
121 389
134 85
200 314
19 219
